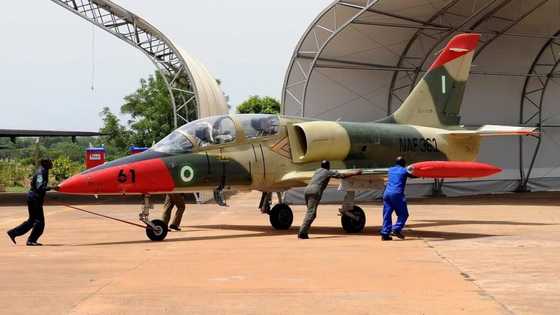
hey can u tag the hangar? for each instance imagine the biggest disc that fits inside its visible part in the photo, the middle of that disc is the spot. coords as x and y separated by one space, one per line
359 60
194 93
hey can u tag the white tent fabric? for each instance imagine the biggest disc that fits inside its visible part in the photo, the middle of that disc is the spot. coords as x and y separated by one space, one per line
210 99
359 59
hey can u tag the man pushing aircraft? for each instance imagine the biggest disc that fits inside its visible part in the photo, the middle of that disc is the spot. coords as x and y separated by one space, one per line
314 192
394 199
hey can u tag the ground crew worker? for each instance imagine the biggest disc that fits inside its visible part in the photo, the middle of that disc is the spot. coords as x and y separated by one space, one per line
35 200
394 199
174 200
314 192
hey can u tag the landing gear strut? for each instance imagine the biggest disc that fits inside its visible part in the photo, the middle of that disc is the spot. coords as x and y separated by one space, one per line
281 215
353 218
156 230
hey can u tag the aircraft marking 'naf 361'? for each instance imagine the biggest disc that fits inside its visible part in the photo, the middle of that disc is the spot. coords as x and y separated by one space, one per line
272 153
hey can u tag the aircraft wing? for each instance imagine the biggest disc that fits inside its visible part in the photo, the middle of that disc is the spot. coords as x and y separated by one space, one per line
375 178
495 130
370 178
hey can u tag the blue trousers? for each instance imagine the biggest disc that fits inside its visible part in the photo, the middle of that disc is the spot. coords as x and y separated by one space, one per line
396 202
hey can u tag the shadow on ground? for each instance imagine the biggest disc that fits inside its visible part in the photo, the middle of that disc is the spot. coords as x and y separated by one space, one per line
321 232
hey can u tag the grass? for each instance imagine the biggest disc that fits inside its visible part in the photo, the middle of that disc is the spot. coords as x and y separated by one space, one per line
16 189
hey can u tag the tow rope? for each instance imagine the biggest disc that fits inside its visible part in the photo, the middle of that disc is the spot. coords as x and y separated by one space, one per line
98 214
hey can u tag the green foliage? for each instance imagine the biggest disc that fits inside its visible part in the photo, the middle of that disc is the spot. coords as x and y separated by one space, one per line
259 105
63 168
70 150
14 174
116 137
151 112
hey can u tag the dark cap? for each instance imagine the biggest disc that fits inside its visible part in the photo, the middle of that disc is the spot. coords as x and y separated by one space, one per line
46 163
326 164
401 161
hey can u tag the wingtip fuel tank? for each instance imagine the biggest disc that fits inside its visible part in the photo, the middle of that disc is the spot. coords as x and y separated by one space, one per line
452 169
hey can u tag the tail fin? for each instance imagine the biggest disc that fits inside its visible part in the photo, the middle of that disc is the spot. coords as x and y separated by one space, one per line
436 99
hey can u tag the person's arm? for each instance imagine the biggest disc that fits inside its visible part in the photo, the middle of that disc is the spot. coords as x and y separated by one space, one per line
336 174
409 175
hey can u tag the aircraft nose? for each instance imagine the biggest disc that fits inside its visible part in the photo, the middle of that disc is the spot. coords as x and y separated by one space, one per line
142 177
79 184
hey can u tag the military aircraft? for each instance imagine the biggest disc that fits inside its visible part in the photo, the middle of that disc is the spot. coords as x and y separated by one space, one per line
272 153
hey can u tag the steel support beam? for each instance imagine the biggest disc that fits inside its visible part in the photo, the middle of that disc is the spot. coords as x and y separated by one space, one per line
545 66
135 31
305 61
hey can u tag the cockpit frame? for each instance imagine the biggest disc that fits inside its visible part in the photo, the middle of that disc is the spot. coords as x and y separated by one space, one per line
240 128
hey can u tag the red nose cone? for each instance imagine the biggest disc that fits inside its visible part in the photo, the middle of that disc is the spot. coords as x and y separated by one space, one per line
143 177
75 185
453 169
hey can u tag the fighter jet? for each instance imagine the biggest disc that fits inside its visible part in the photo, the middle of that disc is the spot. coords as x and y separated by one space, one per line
273 154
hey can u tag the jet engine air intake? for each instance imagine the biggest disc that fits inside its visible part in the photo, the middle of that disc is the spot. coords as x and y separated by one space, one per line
318 140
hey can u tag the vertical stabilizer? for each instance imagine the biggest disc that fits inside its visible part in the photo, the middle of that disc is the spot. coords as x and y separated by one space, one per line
436 99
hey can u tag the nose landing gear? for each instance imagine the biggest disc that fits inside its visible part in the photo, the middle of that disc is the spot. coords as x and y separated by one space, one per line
156 230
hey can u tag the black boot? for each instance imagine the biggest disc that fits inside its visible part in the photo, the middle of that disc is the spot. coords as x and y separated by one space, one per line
302 236
386 237
12 237
174 227
398 234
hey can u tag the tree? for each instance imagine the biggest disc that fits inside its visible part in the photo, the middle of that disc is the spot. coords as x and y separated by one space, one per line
116 136
151 112
259 105
63 168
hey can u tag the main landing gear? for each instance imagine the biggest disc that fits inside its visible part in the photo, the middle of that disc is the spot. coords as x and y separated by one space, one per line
156 230
353 218
281 215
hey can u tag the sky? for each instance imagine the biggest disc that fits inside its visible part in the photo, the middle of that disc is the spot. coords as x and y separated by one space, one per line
51 58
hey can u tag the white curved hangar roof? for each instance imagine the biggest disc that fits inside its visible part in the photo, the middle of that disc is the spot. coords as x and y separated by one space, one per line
359 60
194 91
209 96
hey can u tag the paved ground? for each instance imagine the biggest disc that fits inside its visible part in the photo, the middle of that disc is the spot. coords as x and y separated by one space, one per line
480 257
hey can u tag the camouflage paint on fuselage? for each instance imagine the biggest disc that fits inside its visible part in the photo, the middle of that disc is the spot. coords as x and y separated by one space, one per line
377 145
269 153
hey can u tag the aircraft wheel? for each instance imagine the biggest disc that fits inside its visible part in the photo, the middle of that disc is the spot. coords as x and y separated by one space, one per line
281 216
159 233
354 225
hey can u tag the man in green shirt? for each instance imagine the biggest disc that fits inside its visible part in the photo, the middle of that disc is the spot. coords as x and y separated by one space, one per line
314 193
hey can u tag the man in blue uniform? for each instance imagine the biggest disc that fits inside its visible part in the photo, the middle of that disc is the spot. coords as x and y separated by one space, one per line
394 199
35 199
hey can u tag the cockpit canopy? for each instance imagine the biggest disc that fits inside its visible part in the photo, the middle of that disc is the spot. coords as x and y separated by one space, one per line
218 130
259 125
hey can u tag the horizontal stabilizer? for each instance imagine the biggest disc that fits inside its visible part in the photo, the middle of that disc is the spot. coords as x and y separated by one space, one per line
495 130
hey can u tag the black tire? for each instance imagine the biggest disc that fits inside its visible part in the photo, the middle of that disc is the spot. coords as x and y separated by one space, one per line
350 225
160 233
281 216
